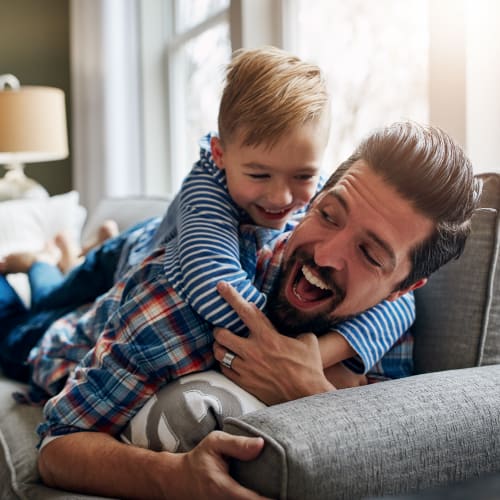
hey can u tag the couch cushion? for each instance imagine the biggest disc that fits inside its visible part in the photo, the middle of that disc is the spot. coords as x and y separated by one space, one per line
125 212
458 311
387 438
18 471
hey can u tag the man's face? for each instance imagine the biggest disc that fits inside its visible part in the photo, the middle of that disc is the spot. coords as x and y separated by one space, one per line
349 252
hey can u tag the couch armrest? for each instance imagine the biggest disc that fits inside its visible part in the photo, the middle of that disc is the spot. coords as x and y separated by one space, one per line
385 438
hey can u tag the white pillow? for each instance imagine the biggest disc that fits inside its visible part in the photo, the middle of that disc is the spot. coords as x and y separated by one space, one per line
26 224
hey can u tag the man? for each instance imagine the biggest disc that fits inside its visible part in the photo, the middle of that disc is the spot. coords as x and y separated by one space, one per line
396 211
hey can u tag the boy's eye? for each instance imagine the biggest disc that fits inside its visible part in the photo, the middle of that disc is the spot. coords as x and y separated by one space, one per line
305 177
258 176
371 260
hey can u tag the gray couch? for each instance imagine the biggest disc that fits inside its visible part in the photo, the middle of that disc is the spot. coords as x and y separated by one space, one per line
437 428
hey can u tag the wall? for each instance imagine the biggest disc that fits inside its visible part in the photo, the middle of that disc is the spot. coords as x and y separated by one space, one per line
483 83
34 46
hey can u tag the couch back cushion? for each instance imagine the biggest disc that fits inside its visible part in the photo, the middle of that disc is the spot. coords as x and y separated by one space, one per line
458 311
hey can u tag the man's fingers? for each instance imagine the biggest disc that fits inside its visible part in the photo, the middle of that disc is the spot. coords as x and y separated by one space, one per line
308 339
228 341
240 447
253 318
222 445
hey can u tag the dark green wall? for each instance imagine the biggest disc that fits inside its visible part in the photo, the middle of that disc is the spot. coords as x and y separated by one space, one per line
34 46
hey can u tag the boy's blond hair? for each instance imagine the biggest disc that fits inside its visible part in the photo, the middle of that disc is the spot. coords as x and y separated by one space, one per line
269 92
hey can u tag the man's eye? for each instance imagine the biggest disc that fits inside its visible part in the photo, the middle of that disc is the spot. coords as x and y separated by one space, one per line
369 258
329 218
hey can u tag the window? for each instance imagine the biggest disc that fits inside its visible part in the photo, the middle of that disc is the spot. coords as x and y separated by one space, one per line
198 51
195 47
185 46
375 59
146 76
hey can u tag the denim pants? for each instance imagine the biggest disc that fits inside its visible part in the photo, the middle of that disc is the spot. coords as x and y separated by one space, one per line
53 296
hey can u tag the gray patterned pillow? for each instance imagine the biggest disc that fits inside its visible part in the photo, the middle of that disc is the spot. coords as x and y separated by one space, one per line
181 414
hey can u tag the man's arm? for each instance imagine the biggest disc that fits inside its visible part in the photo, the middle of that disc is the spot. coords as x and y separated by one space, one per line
96 463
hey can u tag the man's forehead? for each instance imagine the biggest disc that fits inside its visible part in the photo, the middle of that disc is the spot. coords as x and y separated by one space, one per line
364 191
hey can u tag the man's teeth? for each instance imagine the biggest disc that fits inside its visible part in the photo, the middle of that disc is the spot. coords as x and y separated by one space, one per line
314 280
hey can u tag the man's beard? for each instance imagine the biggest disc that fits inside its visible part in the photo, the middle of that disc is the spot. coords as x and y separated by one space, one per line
292 322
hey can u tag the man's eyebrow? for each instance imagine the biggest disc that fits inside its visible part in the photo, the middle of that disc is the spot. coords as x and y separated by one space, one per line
340 199
379 241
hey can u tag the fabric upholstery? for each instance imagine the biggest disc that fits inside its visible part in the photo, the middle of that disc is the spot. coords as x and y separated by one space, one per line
458 311
125 212
18 472
385 438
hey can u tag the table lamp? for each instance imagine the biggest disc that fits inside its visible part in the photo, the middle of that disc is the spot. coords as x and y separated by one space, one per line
32 129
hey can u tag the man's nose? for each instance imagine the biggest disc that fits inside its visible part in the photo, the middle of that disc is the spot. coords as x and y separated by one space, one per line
332 251
279 194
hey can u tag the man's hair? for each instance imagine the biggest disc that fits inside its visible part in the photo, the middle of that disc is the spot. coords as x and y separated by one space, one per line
269 92
429 169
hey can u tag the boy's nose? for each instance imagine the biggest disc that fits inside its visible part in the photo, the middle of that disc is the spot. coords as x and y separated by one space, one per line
279 195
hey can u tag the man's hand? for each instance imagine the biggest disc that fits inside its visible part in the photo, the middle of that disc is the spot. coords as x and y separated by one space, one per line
271 366
206 470
124 471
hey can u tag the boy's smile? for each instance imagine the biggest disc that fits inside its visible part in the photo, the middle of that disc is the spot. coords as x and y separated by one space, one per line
272 182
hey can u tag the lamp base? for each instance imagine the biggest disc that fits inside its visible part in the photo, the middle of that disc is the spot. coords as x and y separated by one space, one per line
15 185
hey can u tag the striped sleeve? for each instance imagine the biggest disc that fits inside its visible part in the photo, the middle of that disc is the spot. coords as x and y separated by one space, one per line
208 250
373 333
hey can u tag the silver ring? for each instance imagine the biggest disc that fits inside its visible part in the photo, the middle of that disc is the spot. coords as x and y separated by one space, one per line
228 358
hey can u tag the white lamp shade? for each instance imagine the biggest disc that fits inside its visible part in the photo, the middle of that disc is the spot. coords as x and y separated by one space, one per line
32 125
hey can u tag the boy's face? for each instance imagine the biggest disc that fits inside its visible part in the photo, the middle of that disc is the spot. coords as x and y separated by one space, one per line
272 183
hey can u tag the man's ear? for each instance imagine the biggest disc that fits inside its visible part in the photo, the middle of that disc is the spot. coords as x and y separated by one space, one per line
217 152
395 295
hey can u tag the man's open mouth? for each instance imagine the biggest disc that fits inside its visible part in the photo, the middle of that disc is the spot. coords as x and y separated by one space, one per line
309 289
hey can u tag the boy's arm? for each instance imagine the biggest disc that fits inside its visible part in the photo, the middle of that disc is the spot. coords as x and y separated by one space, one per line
372 333
334 348
209 251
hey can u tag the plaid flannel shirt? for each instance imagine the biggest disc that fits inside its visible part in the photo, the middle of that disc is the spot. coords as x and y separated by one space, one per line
148 336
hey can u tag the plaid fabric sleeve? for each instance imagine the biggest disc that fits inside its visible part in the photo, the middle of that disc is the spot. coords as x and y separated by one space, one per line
151 339
397 363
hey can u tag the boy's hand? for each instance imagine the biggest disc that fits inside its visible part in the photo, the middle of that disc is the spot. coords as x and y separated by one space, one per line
271 366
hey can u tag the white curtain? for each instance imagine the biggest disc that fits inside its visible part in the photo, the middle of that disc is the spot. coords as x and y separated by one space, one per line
106 118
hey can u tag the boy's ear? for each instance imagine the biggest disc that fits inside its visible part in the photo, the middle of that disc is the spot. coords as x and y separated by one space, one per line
217 152
395 295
